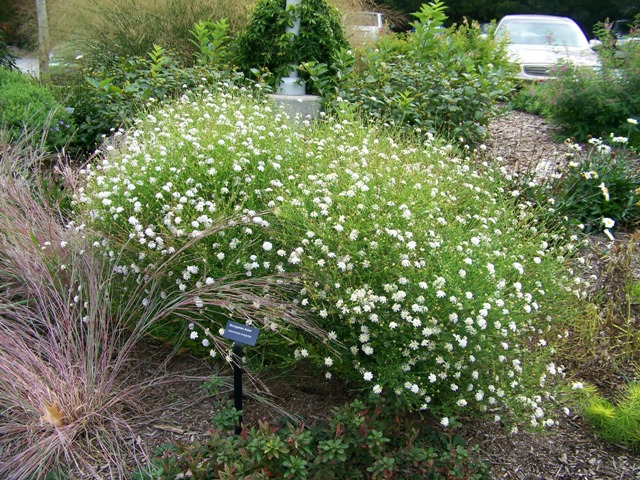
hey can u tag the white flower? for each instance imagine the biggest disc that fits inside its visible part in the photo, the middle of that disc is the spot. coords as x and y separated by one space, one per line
444 421
608 222
605 191
328 361
193 335
377 389
368 376
267 246
632 121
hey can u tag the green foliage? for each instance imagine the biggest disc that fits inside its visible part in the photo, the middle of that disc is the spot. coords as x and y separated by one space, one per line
525 98
265 44
104 30
27 106
589 102
599 186
617 423
211 40
444 81
362 441
114 94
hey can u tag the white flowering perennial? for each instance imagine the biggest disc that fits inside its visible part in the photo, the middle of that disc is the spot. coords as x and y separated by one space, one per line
441 290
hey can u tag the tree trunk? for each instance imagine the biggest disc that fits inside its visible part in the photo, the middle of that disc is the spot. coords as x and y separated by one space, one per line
43 36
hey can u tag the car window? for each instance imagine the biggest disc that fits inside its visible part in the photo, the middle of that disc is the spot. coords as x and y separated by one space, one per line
525 32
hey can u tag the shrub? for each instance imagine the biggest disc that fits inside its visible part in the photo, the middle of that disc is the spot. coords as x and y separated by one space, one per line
444 81
362 440
440 289
595 102
598 190
27 106
114 94
264 43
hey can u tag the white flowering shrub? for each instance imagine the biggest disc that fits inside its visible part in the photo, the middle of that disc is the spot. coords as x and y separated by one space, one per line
431 282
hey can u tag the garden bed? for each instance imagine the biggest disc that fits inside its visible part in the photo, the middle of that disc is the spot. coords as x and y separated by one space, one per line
569 450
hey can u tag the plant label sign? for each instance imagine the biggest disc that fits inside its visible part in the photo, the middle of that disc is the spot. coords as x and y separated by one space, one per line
240 333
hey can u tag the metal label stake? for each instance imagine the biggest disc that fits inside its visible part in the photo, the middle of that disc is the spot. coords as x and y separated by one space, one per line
241 335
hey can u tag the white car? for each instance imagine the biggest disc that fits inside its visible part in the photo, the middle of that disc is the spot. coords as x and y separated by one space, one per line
539 42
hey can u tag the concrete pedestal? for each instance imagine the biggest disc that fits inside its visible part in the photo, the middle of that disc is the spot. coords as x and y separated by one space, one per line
298 107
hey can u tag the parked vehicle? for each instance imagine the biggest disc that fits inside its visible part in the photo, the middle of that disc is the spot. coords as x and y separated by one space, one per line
539 42
625 30
363 28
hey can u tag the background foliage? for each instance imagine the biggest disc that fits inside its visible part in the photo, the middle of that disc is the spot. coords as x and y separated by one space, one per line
27 106
447 82
263 43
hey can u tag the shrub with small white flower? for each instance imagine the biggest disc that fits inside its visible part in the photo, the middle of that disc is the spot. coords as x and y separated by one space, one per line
441 289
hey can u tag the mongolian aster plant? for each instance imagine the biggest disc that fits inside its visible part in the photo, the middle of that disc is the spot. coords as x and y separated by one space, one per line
442 287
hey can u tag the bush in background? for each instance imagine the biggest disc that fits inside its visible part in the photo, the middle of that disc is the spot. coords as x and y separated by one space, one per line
595 103
444 81
27 106
436 288
7 60
111 96
263 43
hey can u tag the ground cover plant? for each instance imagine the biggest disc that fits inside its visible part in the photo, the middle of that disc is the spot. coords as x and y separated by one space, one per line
617 422
416 263
362 440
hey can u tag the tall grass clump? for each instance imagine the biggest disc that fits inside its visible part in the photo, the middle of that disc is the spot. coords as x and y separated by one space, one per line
447 81
441 288
69 324
103 30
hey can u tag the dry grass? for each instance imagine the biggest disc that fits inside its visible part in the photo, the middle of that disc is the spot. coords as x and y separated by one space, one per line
68 328
103 28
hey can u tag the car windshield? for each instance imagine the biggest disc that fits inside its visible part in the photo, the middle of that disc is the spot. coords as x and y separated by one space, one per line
532 32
